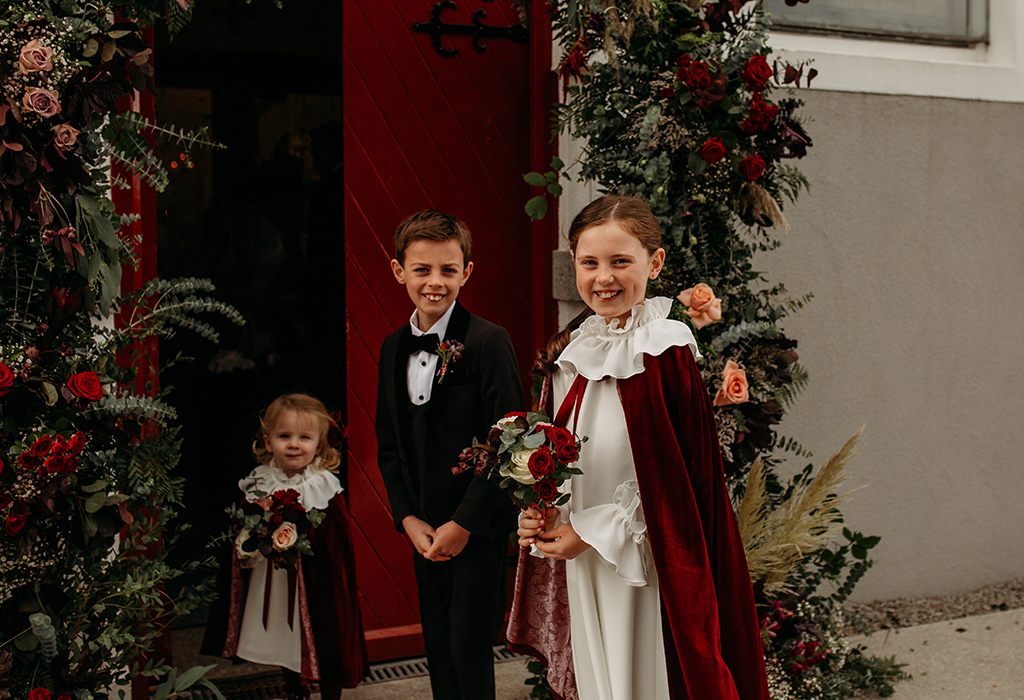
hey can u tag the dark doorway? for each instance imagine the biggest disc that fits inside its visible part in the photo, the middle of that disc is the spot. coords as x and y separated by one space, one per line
262 219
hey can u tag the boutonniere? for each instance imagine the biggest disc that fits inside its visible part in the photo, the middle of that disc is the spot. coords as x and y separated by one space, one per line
449 351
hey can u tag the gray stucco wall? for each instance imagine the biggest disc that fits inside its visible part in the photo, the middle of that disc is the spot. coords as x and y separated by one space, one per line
911 240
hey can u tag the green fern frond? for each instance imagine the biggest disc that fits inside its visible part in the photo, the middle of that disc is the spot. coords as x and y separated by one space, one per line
787 394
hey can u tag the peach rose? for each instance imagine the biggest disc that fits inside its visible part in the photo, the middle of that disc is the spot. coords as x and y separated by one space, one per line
734 386
65 136
704 308
284 536
264 502
35 57
41 101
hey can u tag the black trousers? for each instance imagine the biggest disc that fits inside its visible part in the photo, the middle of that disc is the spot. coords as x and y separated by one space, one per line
462 609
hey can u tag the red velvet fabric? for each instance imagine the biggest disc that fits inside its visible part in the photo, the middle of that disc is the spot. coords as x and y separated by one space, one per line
333 646
712 638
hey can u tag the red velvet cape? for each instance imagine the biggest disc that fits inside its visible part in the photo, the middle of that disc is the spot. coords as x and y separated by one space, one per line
712 637
333 646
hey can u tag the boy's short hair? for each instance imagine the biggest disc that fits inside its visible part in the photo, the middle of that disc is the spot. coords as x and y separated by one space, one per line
432 225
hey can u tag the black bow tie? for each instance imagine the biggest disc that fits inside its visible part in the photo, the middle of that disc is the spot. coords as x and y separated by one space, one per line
417 343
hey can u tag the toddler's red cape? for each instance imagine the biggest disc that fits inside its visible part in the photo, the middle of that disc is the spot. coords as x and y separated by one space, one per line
712 637
333 647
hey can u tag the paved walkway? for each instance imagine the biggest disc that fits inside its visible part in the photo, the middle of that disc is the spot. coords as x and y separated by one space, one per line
973 658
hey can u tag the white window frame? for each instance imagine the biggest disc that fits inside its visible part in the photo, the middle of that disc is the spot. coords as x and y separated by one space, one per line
992 71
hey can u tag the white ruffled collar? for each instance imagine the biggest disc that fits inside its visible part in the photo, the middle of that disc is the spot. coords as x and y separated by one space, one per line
316 486
599 349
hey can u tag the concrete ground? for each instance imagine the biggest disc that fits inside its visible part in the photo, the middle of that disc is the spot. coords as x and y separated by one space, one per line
973 658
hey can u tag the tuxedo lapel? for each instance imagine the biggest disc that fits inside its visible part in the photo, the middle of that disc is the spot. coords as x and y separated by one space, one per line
458 325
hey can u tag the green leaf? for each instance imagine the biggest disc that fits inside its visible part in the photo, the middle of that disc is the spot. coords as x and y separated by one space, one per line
213 688
556 163
26 641
537 207
535 179
95 502
91 47
93 488
189 677
90 526
550 176
697 164
49 393
555 189
532 442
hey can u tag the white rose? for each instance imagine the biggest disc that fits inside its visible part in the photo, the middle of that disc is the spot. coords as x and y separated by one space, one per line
239 541
519 467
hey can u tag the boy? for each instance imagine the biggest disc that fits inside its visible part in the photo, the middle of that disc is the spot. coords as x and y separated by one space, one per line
429 409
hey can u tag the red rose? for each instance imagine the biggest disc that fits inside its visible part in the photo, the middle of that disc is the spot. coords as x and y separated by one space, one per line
13 525
752 167
77 442
515 414
29 460
86 385
6 379
757 73
761 115
286 497
41 447
667 93
567 453
39 694
60 446
558 436
546 490
5 500
713 150
541 463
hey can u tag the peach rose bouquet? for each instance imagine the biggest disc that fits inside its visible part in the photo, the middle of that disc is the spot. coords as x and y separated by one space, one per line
703 307
273 526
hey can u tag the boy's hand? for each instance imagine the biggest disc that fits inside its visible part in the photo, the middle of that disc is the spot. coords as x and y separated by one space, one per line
420 533
449 540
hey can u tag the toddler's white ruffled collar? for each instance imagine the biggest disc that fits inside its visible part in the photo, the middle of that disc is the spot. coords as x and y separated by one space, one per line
599 349
316 487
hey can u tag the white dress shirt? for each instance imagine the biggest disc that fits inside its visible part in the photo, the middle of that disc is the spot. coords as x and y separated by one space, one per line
423 365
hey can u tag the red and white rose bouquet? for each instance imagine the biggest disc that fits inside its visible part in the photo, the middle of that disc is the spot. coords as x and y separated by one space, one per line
527 457
274 526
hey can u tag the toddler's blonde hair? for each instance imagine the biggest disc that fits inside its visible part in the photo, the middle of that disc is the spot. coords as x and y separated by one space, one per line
304 405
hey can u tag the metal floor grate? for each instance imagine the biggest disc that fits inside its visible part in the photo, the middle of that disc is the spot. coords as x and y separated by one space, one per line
268 686
414 668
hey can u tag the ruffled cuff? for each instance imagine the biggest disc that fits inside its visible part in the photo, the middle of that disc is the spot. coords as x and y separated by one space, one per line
617 533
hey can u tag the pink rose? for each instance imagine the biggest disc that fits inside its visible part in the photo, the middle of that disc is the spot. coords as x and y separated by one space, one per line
65 136
264 502
35 57
41 101
285 537
704 308
734 386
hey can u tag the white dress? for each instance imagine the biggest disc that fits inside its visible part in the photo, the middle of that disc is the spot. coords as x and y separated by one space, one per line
278 644
614 603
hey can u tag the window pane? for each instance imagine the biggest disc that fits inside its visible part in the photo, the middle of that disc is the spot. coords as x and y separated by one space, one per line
943 19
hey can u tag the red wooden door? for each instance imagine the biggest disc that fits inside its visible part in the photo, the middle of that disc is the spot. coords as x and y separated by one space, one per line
425 131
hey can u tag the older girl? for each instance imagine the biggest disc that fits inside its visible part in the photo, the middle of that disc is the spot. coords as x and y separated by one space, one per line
648 556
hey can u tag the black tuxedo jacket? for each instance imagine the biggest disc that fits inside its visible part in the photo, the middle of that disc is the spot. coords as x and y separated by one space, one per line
478 389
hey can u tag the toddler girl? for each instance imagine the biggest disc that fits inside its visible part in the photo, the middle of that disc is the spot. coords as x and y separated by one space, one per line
643 592
304 619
